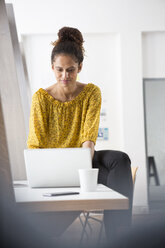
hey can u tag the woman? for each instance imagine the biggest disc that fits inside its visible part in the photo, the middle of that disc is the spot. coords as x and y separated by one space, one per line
67 115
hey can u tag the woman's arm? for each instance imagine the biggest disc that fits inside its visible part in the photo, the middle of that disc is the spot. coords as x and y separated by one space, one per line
91 125
89 144
37 137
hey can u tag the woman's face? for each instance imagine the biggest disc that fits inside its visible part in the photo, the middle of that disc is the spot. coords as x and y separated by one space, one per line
66 69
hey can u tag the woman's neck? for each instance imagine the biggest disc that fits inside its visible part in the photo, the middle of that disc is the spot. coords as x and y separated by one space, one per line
67 92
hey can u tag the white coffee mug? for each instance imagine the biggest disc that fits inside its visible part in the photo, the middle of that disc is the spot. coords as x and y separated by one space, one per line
88 179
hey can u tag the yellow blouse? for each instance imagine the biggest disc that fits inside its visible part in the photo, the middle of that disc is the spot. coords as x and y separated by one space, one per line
55 124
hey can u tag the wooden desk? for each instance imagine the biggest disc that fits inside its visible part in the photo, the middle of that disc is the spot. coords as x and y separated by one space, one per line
33 199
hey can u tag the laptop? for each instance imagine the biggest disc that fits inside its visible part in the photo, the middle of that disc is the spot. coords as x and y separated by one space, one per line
56 167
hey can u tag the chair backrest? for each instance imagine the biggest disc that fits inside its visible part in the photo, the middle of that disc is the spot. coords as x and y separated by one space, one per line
134 170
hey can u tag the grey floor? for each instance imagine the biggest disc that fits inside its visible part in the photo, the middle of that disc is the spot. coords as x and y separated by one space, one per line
73 233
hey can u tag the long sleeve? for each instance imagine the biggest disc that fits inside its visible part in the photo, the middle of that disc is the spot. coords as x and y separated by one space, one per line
92 118
38 124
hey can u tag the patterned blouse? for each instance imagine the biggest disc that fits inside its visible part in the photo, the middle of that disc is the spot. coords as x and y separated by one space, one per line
55 124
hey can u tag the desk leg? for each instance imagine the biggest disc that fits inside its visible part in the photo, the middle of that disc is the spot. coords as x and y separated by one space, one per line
84 226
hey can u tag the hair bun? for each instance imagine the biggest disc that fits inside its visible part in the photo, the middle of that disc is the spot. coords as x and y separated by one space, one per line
70 34
70 42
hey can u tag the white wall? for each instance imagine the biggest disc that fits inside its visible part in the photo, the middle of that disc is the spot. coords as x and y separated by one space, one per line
102 67
128 18
153 54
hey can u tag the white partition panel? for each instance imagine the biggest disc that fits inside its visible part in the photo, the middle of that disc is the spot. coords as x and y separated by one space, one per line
11 105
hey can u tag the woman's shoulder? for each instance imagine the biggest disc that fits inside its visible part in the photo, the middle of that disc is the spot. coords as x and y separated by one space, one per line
41 96
89 90
39 93
89 86
94 89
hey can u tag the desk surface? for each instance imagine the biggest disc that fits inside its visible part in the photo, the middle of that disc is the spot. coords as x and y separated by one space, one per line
33 199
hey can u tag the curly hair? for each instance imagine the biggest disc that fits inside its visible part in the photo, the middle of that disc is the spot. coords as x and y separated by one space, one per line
70 41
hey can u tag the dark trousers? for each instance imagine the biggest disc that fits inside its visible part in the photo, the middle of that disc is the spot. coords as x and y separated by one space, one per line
115 173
